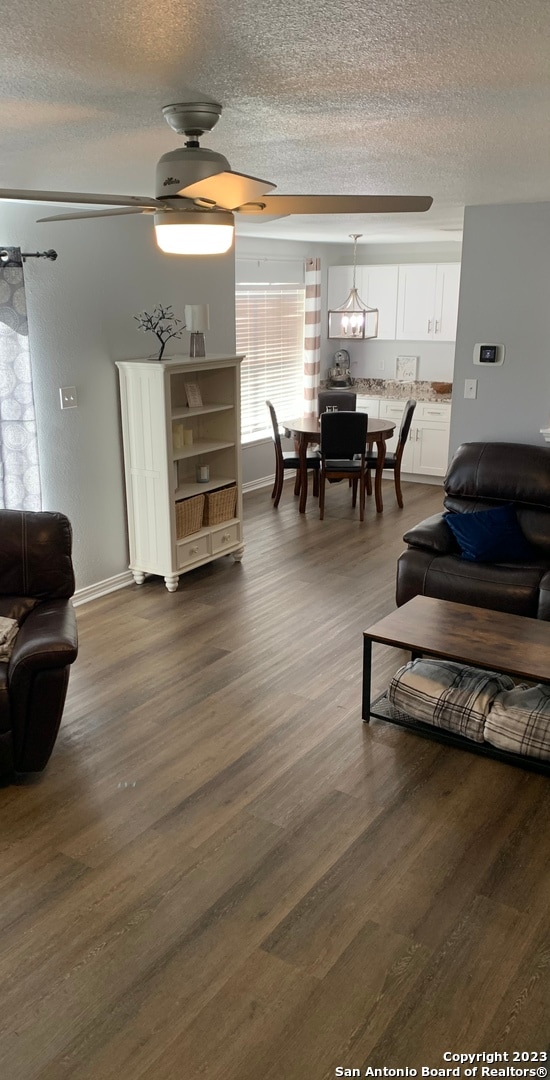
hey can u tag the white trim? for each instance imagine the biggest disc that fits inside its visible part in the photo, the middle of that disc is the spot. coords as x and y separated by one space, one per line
102 588
415 478
263 481
268 481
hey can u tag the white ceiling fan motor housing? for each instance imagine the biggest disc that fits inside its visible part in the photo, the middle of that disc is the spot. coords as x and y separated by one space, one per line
186 165
189 164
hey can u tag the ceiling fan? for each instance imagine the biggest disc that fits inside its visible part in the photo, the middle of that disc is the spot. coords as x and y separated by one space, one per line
198 193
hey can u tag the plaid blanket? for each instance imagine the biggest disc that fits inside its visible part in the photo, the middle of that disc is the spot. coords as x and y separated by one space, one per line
448 695
9 629
519 721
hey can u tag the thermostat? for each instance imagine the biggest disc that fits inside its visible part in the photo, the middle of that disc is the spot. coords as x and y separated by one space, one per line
489 354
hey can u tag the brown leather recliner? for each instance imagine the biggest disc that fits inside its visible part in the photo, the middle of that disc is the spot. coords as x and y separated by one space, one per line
481 476
36 583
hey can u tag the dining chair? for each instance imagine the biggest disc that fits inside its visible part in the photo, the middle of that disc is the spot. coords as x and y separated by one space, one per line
343 454
289 459
393 460
343 400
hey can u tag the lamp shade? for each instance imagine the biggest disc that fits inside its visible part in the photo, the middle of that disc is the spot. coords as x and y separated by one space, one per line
197 318
193 233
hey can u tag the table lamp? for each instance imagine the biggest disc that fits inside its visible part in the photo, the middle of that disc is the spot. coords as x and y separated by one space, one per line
197 321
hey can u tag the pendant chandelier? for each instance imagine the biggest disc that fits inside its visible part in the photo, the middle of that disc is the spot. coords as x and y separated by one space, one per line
354 320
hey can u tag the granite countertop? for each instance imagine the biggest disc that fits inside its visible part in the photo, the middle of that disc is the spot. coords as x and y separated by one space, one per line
391 388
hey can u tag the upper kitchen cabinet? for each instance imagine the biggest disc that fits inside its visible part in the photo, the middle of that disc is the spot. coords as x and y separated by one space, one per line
427 303
379 290
377 287
416 301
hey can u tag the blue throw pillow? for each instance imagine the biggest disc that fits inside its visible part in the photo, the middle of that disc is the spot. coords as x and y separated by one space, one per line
490 535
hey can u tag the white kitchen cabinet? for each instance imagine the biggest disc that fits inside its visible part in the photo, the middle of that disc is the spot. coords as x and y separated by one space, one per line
416 302
164 442
427 448
377 287
370 405
392 410
379 290
427 301
430 448
433 410
446 301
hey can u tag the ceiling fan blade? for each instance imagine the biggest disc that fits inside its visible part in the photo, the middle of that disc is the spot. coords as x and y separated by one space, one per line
98 213
339 204
227 189
83 197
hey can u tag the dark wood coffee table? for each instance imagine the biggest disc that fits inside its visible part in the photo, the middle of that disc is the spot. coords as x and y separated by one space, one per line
509 644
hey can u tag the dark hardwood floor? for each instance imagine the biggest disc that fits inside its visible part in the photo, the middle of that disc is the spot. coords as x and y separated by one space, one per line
223 873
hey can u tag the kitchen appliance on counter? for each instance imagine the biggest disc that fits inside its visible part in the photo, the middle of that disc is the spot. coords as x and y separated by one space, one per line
340 374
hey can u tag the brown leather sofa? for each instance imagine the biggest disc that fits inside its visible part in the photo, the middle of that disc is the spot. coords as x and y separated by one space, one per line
36 583
481 476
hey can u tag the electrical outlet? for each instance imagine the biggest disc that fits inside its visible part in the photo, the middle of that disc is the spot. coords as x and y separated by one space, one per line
67 397
470 388
380 365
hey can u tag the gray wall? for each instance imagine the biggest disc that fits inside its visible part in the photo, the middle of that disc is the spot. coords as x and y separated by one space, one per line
80 321
504 299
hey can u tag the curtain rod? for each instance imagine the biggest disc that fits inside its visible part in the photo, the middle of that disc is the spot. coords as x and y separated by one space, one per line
10 256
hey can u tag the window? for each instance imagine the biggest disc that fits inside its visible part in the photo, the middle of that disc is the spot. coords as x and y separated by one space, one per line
270 331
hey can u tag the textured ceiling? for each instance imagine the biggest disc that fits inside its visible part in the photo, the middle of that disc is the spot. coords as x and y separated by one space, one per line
449 98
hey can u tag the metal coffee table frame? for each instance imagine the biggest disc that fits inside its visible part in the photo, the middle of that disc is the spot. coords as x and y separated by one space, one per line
382 709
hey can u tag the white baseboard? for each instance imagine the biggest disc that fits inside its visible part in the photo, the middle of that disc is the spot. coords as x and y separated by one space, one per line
102 588
264 481
415 478
268 481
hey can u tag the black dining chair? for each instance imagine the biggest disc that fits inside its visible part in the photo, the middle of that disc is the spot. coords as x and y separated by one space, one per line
343 454
289 459
393 460
342 400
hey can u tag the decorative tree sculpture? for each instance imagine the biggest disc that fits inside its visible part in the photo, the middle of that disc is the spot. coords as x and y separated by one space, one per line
161 322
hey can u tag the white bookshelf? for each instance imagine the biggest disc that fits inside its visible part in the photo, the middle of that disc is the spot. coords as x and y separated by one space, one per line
161 473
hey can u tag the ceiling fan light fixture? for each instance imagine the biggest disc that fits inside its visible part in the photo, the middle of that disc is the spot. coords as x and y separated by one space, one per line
195 233
354 320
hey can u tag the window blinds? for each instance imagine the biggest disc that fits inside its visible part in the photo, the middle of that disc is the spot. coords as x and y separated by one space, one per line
270 331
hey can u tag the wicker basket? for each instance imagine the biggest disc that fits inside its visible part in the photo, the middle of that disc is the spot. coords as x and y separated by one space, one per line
220 505
189 516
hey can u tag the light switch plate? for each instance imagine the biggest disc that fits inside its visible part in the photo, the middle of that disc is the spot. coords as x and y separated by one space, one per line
470 388
67 397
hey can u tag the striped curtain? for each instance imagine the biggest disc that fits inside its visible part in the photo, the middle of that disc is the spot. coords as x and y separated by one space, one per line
312 339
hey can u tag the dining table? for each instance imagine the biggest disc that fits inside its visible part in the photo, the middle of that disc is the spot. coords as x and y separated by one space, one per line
306 429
